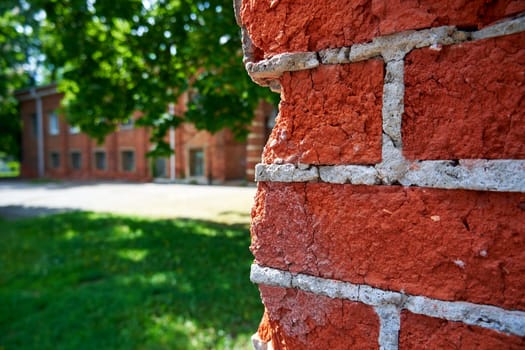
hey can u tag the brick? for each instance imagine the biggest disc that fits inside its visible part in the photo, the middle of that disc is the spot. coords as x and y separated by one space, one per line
255 153
400 15
444 244
300 320
291 26
422 332
329 115
466 101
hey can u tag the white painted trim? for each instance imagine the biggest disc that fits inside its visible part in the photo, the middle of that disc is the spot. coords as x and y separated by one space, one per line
173 176
40 133
34 92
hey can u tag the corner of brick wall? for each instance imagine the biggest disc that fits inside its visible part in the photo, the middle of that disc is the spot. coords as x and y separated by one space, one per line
390 207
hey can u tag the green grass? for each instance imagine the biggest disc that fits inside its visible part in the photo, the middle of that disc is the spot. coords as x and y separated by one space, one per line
95 281
14 169
9 174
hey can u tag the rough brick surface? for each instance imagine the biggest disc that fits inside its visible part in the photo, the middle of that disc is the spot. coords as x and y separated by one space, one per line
329 115
445 244
300 320
466 101
400 15
289 26
421 332
277 26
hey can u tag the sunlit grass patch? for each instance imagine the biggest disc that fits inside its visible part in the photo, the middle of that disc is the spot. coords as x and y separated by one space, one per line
94 281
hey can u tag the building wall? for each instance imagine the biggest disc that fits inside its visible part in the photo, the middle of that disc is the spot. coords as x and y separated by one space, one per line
224 158
29 164
391 200
65 143
259 132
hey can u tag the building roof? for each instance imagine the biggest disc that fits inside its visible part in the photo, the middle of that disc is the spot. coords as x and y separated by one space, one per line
36 91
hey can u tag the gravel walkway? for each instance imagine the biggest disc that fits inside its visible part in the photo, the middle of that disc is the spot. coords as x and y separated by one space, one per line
229 204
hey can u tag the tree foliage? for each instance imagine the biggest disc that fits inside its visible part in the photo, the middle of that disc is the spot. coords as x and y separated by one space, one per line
111 58
15 46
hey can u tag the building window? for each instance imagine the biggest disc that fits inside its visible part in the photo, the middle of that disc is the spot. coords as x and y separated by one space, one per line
128 124
74 129
55 160
100 160
76 160
160 169
128 160
54 128
196 162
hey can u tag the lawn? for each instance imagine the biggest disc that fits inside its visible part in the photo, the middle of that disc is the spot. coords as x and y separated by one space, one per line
95 281
8 168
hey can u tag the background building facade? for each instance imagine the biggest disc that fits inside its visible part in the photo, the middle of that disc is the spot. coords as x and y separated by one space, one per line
51 148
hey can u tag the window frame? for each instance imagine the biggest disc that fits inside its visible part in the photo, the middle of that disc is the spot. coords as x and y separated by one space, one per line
122 159
191 167
128 125
71 159
74 130
52 159
53 128
105 159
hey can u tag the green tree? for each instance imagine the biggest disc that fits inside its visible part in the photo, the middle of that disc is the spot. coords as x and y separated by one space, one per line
111 58
16 42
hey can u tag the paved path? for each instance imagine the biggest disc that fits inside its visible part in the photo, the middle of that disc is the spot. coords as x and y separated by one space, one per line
221 203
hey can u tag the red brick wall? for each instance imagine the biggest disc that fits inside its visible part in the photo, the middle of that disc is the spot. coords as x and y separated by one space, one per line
421 332
225 157
291 26
350 119
28 167
65 143
390 208
258 135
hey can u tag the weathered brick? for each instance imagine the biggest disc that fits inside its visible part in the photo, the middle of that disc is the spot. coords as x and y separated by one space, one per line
421 332
444 244
400 15
329 115
291 26
300 320
466 101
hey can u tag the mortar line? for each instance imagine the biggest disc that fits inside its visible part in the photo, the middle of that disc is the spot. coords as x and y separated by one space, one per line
481 315
389 326
497 175
266 72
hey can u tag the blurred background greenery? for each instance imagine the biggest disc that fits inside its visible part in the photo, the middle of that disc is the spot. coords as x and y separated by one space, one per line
113 58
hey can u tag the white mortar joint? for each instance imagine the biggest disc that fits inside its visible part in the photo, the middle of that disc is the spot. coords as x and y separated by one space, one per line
391 47
389 326
389 304
499 175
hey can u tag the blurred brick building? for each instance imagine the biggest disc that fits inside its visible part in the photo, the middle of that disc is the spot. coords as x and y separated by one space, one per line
51 148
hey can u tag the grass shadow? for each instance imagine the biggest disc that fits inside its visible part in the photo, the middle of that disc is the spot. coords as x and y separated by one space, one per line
96 281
